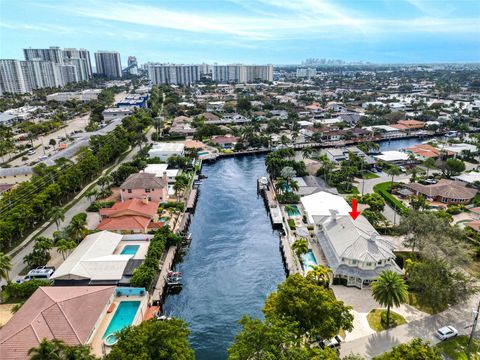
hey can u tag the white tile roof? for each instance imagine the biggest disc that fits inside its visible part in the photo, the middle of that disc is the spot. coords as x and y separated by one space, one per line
320 204
93 259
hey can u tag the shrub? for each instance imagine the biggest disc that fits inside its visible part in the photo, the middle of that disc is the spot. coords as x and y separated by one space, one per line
384 190
24 290
288 198
97 205
291 224
143 276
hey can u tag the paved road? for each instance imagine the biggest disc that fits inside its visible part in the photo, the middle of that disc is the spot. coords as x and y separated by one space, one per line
48 230
388 212
459 316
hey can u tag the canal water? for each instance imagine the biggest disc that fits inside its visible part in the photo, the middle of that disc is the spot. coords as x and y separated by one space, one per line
234 259
397 144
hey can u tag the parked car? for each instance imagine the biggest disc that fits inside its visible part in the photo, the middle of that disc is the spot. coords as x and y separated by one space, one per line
446 332
402 169
31 152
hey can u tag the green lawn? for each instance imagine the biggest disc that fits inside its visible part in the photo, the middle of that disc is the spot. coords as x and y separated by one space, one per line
352 190
369 175
413 301
375 323
455 348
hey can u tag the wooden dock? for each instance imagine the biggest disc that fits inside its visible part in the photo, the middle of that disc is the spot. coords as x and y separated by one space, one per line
160 286
290 265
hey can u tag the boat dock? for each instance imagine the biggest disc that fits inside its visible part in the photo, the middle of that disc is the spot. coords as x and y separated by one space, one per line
291 267
166 265
276 216
192 200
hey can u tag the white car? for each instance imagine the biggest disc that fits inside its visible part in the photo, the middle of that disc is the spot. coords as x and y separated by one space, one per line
446 333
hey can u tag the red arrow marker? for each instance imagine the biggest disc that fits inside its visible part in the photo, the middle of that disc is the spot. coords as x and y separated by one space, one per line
354 213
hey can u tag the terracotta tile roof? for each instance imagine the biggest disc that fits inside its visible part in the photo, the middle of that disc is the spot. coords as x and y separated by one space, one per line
194 144
134 207
475 225
399 126
124 223
445 188
225 139
156 225
426 150
143 181
53 312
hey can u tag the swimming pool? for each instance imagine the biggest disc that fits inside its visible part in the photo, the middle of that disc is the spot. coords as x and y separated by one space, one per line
122 318
294 211
203 153
309 260
130 250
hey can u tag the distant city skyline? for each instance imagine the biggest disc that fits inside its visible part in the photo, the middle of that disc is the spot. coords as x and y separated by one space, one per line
249 31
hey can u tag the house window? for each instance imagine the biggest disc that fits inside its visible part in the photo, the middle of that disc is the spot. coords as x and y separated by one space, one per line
129 191
380 262
369 264
354 262
147 190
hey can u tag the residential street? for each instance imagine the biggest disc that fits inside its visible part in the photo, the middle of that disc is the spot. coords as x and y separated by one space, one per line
459 316
47 231
388 212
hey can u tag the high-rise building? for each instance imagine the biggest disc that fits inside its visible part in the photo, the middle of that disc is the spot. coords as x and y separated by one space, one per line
53 53
242 73
174 74
108 63
80 59
80 54
306 72
12 78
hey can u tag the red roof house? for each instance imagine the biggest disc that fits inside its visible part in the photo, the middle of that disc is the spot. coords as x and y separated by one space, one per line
134 216
54 313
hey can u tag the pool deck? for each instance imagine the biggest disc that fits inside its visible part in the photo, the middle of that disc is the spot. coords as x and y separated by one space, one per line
96 344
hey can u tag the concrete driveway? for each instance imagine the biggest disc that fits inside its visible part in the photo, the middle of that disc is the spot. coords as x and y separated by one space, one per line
362 303
460 316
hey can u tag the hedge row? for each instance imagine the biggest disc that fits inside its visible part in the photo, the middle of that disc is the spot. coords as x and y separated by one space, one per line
383 189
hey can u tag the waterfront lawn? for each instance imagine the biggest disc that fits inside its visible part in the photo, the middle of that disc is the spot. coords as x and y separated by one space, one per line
374 319
455 348
385 191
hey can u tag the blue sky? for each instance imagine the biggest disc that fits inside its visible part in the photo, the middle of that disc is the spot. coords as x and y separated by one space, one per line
249 31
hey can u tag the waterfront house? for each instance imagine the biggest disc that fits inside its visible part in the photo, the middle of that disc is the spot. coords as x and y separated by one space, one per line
445 191
165 150
160 169
354 251
72 316
393 157
226 142
145 185
409 125
103 258
340 154
130 216
425 151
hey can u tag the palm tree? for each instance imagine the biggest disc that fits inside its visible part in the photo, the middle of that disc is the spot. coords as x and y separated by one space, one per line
284 140
57 213
429 163
320 274
48 350
307 152
76 230
64 246
294 185
289 209
393 171
388 290
5 266
300 246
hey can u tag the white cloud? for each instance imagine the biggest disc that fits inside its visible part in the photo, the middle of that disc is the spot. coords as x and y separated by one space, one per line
283 19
